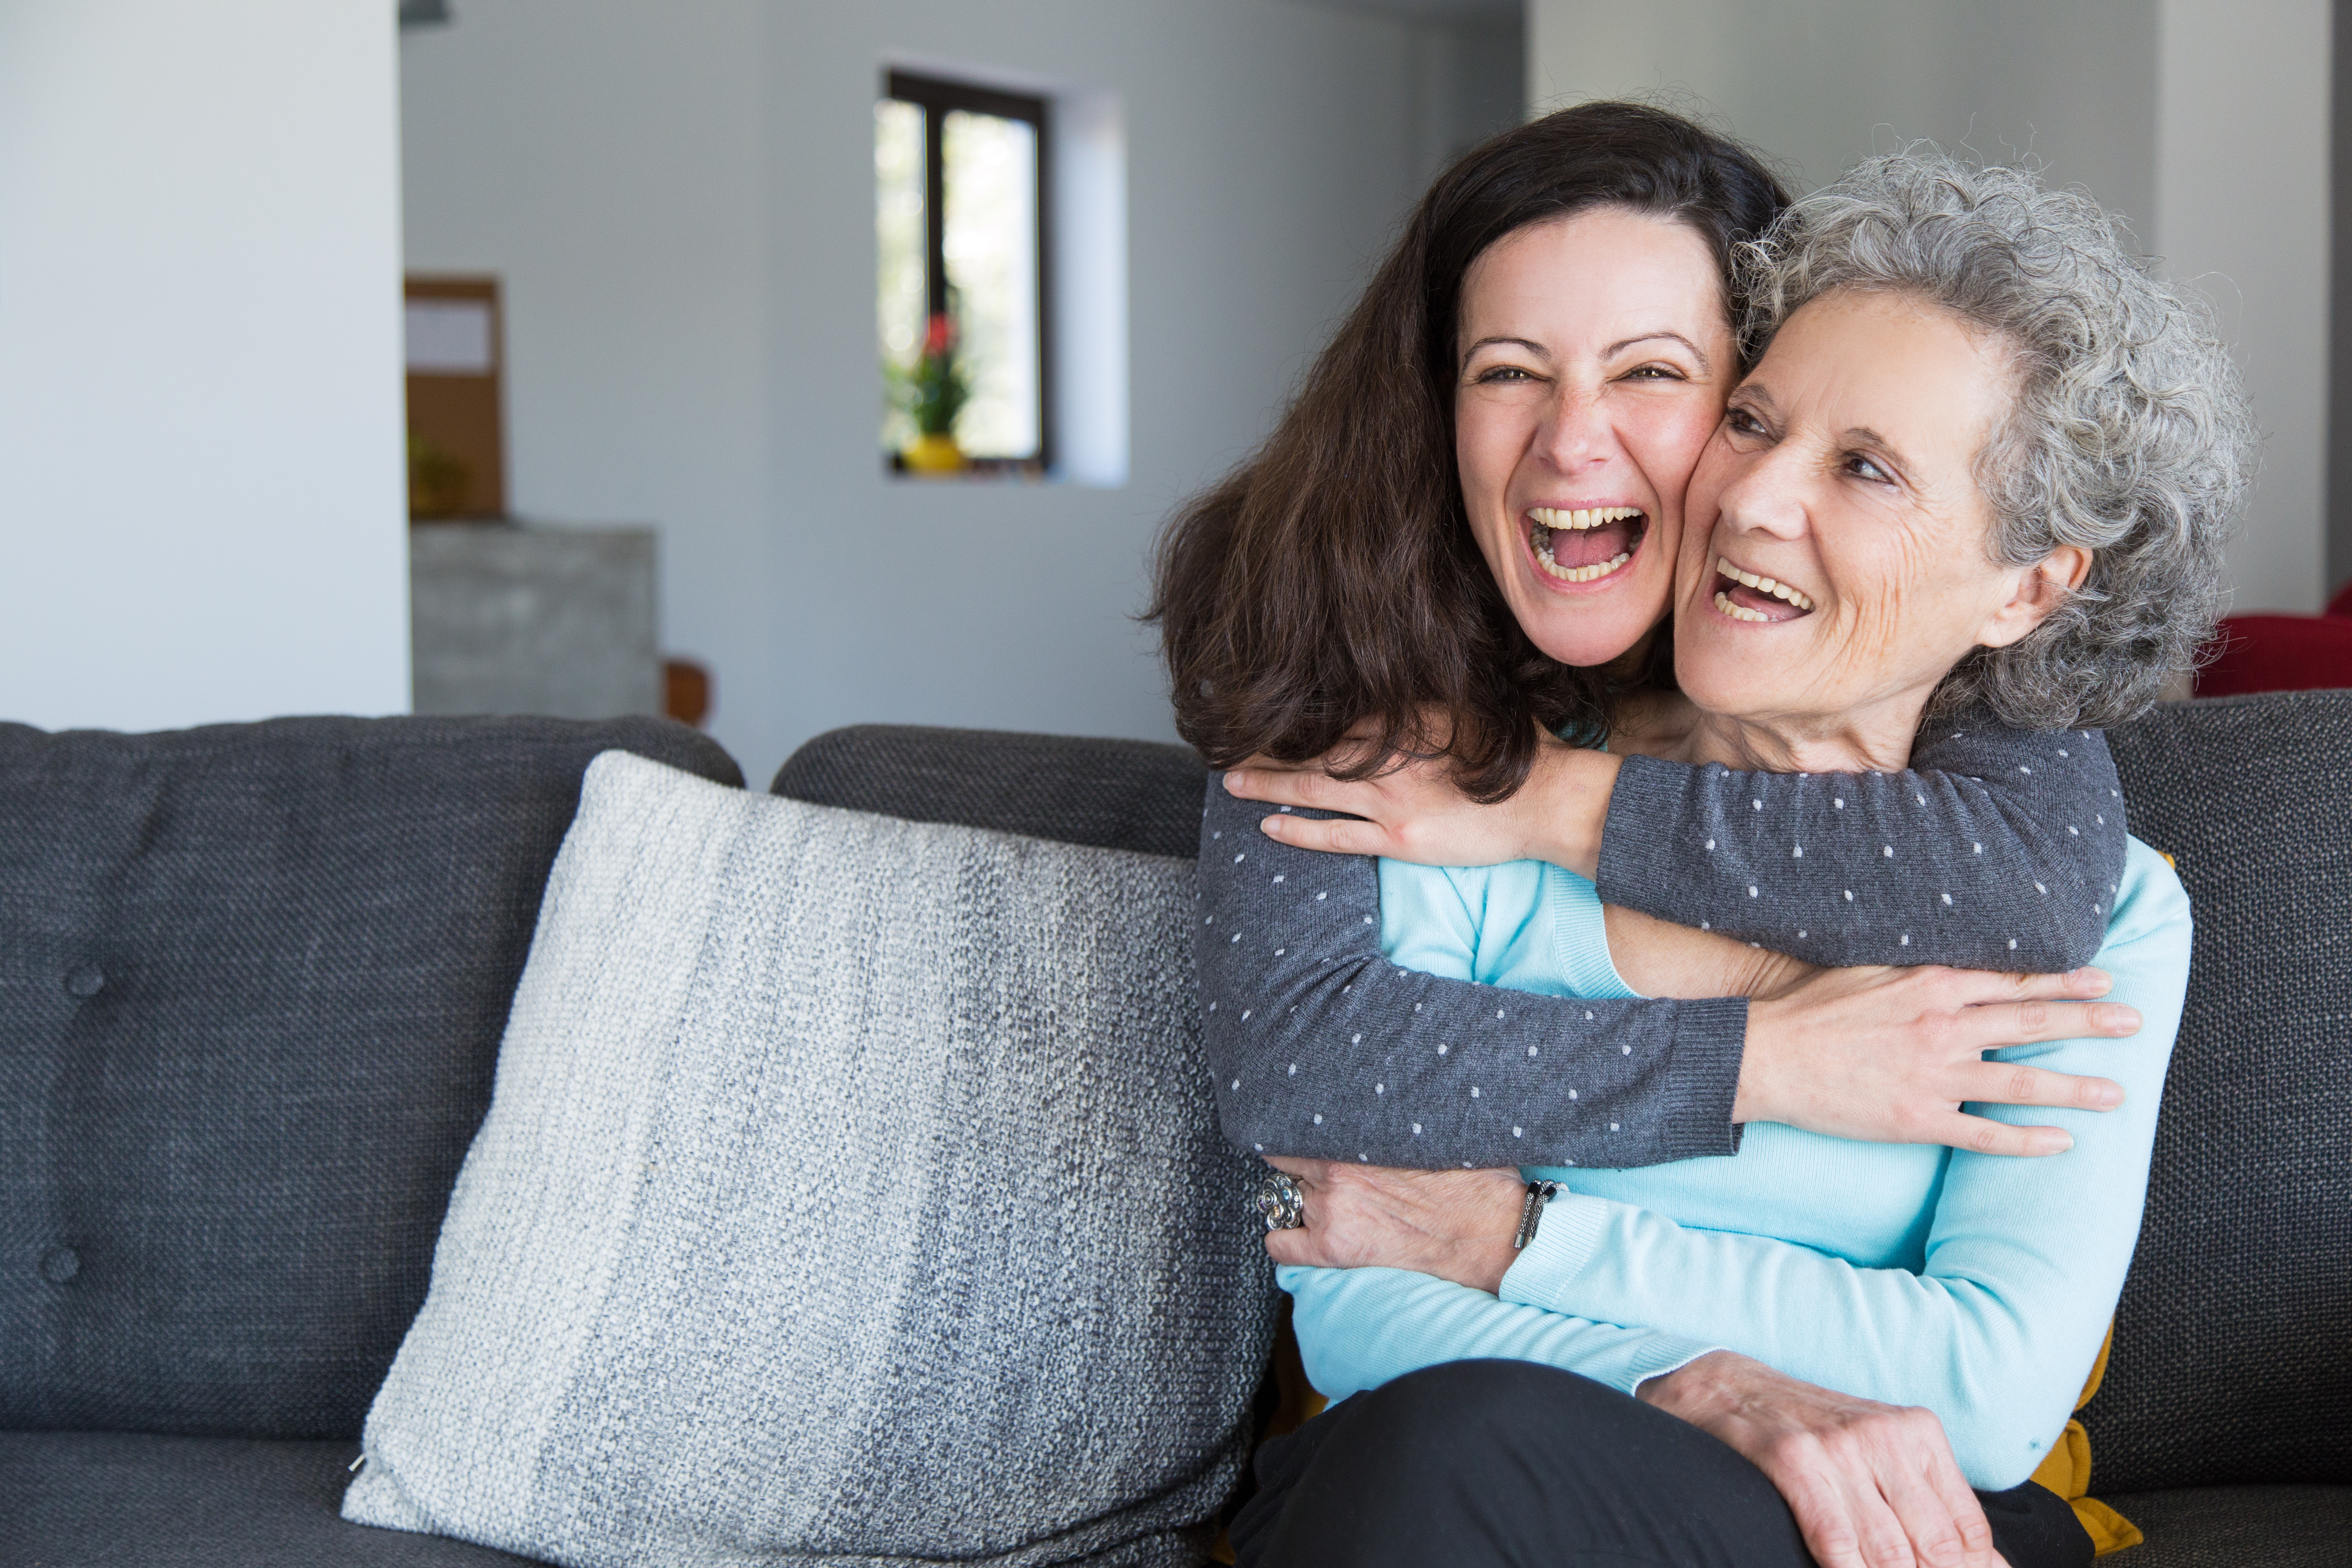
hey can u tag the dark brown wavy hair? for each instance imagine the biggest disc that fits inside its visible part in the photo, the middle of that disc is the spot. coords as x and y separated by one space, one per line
1332 578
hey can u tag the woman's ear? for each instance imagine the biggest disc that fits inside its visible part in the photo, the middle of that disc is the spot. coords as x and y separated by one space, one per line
2038 590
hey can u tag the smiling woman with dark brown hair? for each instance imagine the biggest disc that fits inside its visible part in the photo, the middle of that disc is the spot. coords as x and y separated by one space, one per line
1332 579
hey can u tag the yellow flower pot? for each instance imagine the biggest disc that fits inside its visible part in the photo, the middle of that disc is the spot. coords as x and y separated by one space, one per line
934 455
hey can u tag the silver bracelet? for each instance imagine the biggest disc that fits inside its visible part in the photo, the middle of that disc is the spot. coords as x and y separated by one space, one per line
1531 1212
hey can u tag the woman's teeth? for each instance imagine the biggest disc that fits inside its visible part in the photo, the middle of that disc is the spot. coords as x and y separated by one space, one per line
1762 585
1583 517
1579 573
1577 520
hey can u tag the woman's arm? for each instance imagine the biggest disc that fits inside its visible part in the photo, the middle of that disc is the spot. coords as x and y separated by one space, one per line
1853 1470
1360 1328
1999 848
1324 1049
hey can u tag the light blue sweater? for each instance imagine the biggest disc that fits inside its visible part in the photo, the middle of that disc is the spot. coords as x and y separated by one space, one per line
1976 1286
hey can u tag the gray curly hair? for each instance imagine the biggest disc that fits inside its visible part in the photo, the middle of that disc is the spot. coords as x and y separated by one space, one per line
2131 434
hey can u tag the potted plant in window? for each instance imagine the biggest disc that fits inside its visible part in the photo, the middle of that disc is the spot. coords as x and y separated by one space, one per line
933 391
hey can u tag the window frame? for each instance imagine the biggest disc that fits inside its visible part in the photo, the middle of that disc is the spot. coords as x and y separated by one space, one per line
935 96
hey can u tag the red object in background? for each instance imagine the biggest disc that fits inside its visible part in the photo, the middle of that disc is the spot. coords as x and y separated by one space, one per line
2282 653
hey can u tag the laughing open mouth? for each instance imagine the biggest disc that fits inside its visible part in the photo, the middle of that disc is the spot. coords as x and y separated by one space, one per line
1746 596
1581 544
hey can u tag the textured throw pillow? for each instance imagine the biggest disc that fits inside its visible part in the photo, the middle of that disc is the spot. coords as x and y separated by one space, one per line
851 1192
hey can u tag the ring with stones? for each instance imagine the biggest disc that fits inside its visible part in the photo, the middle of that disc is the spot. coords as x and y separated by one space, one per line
1279 1203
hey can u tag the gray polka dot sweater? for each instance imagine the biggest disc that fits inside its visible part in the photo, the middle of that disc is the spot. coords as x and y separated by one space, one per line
2000 850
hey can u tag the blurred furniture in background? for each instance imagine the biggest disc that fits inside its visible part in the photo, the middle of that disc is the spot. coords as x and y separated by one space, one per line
514 619
456 421
2282 653
686 691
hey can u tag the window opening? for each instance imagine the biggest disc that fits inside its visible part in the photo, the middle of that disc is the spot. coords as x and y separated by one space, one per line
962 225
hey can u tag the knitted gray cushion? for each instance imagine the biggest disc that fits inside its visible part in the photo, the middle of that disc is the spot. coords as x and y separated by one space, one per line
851 1192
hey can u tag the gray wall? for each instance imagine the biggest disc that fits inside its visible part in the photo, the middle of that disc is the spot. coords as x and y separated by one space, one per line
1818 84
2202 123
679 197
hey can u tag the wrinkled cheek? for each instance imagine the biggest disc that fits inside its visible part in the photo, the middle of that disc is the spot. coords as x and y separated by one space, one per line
1871 636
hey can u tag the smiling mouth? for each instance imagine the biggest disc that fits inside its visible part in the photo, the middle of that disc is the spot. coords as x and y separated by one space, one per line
1584 543
1747 597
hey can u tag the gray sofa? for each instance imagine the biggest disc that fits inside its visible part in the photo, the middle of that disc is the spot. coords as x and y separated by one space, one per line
252 981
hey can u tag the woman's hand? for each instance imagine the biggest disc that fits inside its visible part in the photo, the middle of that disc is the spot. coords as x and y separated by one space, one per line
1872 1484
1414 812
1888 1056
1455 1224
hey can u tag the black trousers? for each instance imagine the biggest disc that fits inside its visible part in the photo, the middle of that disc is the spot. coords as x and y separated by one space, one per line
1504 1462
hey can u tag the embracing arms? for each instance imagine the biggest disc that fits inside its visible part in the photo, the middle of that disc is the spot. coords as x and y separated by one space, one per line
1323 1048
1290 960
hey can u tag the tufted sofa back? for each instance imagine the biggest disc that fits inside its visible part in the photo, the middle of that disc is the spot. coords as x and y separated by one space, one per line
252 981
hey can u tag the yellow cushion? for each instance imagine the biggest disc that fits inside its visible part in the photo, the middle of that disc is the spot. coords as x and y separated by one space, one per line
2067 1471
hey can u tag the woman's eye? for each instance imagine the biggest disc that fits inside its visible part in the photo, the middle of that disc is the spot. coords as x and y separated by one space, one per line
1501 373
1655 372
1862 468
1742 422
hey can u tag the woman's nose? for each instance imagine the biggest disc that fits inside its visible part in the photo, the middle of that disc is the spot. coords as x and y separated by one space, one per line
1576 433
1765 497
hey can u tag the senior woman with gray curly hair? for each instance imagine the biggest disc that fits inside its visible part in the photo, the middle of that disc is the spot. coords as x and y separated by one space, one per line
1996 461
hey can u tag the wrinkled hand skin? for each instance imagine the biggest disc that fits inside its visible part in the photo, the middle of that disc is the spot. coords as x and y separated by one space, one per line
1889 1056
1452 1224
1872 1484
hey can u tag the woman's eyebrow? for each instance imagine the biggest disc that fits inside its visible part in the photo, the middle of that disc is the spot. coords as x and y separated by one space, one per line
1613 349
1529 344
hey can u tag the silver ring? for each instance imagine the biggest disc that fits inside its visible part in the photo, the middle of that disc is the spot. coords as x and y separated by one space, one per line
1279 1202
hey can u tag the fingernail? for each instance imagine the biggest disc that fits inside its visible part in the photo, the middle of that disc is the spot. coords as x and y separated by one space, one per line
2103 1097
2098 981
1233 780
2123 1020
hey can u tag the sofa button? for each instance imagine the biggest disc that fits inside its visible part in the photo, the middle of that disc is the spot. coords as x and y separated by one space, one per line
85 979
60 1264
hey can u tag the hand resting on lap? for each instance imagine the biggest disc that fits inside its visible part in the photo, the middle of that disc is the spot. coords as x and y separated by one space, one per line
1870 1484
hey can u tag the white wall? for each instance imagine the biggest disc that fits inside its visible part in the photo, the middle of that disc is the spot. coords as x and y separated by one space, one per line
201 472
2204 123
680 200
